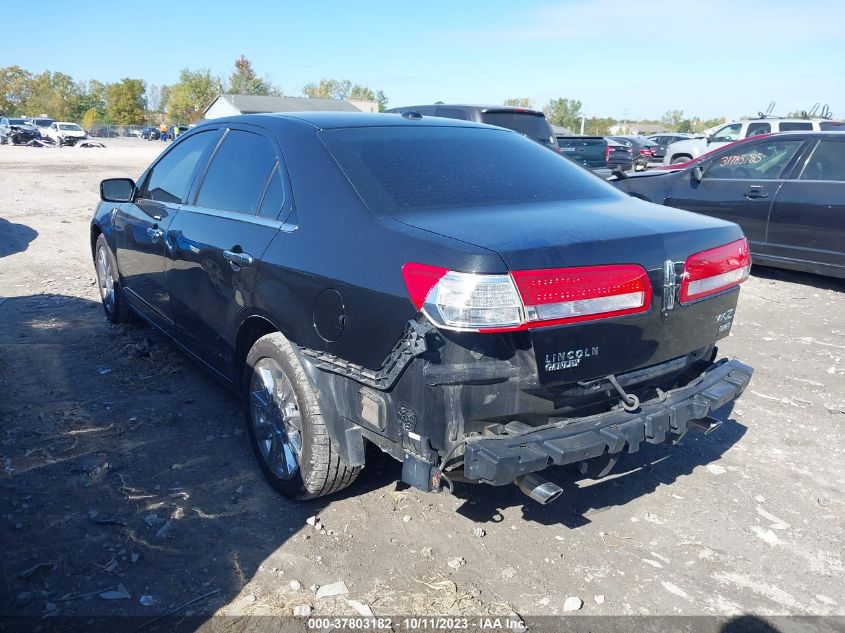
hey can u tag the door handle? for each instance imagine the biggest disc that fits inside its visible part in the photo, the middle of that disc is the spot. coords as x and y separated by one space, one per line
241 259
155 234
755 194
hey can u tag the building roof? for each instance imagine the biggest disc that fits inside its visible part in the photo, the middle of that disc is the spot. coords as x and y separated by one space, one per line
257 104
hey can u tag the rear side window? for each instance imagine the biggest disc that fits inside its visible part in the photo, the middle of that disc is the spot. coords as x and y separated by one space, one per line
274 196
832 126
171 178
761 161
758 128
238 173
827 162
396 169
788 126
534 126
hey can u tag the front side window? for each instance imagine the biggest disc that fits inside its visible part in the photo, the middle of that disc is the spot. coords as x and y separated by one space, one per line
170 180
760 161
238 173
827 162
727 133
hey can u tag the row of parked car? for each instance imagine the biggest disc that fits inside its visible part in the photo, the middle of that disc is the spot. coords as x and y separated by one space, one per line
19 131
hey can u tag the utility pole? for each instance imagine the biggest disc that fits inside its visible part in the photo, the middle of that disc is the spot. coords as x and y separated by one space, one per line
583 118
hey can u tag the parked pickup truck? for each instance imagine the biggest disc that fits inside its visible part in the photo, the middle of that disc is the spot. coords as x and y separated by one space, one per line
453 293
688 149
597 152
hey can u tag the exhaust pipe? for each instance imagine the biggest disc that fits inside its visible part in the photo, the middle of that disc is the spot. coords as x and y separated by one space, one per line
538 488
705 425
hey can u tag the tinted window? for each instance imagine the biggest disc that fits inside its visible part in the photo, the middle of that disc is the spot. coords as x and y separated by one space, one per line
531 125
404 168
727 133
274 196
452 113
171 178
761 161
238 173
799 125
827 162
833 126
758 128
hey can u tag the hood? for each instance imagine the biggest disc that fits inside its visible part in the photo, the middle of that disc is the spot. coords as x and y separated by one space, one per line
580 232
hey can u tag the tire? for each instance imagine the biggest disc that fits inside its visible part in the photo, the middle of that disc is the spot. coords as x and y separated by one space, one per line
679 159
276 387
108 283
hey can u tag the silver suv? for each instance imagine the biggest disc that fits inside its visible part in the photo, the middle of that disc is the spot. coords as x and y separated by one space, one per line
685 150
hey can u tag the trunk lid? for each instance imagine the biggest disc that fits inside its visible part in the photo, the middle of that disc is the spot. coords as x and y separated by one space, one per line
594 232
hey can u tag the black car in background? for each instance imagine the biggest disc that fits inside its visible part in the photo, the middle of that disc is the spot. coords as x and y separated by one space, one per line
529 123
17 131
786 191
596 152
150 133
665 140
641 148
469 302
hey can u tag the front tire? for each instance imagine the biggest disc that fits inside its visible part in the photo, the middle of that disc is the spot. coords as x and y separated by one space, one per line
286 428
108 283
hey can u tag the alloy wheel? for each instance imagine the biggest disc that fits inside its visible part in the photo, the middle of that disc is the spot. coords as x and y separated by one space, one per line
105 281
275 418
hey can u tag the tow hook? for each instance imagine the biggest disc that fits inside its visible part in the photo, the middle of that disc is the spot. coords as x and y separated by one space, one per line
630 402
538 488
705 425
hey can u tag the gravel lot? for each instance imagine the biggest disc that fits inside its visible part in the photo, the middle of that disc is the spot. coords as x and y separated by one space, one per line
127 468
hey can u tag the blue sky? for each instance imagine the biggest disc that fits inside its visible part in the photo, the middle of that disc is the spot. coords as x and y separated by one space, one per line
708 58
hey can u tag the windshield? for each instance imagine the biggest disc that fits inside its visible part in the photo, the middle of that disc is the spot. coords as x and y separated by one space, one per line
43 122
70 126
534 126
397 169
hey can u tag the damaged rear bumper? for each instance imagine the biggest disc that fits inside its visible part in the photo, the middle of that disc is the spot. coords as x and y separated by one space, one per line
499 459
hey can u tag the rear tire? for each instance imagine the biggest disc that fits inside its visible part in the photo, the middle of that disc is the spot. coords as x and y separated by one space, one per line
284 421
680 159
108 283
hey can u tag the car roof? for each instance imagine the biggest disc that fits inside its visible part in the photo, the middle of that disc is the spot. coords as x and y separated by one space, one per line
333 120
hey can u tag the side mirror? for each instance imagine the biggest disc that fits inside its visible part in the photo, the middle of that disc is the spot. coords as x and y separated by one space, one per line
709 138
696 174
117 190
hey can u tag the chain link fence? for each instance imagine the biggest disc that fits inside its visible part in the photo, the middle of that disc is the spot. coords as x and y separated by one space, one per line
147 131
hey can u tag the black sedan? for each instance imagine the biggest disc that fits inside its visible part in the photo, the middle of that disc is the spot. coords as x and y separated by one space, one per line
454 293
787 192
642 149
16 131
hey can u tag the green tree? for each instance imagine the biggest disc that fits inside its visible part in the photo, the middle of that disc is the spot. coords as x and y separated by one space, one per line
126 103
191 95
564 112
53 94
244 81
15 84
91 95
91 116
672 119
519 102
599 126
344 89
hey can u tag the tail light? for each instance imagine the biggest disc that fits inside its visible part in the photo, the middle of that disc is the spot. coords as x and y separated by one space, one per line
608 150
527 298
645 151
714 270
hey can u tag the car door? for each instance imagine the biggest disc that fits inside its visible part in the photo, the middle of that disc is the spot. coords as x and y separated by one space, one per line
807 222
738 185
218 240
140 227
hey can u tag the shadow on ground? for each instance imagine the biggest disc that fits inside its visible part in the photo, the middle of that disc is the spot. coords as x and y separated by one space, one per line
126 467
15 238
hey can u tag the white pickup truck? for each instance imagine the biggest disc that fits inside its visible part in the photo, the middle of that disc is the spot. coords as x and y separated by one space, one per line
682 151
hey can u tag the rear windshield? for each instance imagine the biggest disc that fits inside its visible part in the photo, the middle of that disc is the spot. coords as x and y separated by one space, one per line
534 126
16 121
43 122
70 126
397 169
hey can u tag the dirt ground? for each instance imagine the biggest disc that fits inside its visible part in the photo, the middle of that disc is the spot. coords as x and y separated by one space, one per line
128 486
